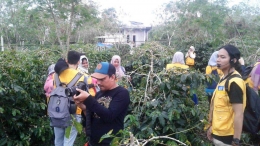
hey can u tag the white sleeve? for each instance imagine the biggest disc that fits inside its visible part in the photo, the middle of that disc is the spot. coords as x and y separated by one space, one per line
192 55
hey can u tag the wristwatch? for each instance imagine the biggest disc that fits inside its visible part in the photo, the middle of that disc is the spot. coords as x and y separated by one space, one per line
235 142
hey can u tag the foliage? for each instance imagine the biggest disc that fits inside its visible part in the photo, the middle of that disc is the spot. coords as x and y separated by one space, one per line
161 102
23 119
23 106
198 22
161 110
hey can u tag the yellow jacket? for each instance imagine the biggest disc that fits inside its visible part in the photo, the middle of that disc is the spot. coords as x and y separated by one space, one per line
65 77
223 114
209 69
176 65
91 91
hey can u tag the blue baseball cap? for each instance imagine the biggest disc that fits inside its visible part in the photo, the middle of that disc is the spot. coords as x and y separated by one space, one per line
103 69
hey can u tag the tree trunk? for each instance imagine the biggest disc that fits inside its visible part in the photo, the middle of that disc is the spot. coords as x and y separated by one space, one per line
69 26
56 26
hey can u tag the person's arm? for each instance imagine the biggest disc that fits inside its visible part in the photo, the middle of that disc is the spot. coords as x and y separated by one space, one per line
120 102
187 54
236 99
238 119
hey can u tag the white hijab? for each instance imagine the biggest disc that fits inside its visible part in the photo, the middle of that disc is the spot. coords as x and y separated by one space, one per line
213 59
119 70
81 68
178 57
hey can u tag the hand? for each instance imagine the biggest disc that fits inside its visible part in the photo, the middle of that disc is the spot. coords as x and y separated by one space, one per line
81 97
81 105
241 61
209 133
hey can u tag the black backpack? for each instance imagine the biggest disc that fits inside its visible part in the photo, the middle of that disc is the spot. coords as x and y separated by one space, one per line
247 71
251 122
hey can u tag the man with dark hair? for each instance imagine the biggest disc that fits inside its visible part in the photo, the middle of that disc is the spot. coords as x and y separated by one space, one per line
107 110
67 71
73 57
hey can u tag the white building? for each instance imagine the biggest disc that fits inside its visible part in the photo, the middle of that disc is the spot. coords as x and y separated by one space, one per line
133 34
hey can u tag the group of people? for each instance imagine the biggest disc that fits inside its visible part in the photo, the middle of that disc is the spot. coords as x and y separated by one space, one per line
178 60
98 118
226 105
105 105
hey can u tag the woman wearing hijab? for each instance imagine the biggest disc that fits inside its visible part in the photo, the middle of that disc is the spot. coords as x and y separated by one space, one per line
92 82
215 72
120 70
190 57
177 62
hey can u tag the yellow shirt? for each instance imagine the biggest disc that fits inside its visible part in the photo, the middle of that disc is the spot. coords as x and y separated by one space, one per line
176 65
209 69
65 77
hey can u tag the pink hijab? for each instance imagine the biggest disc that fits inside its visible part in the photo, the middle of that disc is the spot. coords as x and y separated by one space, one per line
119 72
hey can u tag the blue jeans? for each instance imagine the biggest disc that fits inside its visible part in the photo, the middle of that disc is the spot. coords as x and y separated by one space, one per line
60 138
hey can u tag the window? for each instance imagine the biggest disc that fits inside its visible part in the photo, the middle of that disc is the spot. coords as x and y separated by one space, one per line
127 38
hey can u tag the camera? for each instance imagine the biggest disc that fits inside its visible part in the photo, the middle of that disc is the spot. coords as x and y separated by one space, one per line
72 91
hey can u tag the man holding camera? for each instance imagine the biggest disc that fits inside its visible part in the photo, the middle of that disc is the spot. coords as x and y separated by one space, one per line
107 110
67 71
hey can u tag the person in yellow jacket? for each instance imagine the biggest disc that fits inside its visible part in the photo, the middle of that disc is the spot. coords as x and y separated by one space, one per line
213 70
190 57
67 70
92 82
177 62
227 108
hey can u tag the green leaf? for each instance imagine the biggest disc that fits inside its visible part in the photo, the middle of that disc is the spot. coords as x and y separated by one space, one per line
17 88
108 135
154 103
193 112
1 110
43 105
162 120
115 141
184 77
14 112
67 131
78 127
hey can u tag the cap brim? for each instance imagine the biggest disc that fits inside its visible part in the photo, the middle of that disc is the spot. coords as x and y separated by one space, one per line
98 75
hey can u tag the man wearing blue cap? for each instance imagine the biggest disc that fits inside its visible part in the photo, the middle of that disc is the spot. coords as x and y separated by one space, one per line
107 110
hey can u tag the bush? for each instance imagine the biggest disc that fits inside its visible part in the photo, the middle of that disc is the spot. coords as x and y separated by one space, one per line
22 105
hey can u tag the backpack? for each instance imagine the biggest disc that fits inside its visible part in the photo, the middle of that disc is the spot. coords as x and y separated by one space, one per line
247 72
251 122
60 106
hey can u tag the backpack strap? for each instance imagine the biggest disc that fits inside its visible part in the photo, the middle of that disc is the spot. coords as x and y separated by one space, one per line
86 79
75 79
230 77
57 79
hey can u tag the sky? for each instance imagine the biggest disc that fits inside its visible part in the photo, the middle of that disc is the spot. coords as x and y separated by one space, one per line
142 10
134 10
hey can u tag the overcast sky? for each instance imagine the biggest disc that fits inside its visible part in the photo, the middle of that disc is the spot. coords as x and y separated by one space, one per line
141 10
